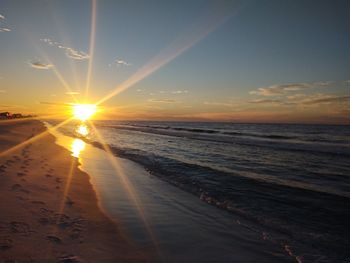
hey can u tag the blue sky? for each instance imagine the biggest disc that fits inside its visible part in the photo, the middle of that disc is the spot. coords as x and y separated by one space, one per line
243 61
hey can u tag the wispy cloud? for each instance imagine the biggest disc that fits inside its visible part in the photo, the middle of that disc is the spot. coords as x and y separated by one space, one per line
55 103
40 65
120 62
162 100
72 93
2 21
70 52
275 90
74 54
327 99
179 91
264 101
2 91
282 89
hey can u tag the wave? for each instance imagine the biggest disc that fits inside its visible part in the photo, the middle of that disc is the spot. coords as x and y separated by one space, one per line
285 142
311 136
283 209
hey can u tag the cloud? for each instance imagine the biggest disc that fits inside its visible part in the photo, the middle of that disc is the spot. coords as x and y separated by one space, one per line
72 93
70 52
121 62
2 91
2 28
40 65
55 103
327 99
163 100
264 101
179 91
74 54
275 90
139 90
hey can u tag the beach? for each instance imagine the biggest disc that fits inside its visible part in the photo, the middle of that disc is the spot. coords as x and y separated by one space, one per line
49 211
69 199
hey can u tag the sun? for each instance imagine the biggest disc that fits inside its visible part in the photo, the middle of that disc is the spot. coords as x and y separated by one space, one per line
83 112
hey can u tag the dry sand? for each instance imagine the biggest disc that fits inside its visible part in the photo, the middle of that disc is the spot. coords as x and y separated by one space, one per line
48 209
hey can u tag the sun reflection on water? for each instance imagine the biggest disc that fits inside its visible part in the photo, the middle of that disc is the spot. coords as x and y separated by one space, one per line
82 130
77 147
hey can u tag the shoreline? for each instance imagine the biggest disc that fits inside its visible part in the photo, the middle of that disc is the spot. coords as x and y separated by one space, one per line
51 213
175 219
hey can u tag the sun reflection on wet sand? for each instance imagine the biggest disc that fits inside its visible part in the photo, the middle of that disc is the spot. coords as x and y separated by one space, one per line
77 147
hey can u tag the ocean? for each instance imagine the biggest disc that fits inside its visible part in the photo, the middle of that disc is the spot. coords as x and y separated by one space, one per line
289 181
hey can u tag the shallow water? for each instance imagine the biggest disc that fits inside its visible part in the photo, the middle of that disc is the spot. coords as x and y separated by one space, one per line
179 225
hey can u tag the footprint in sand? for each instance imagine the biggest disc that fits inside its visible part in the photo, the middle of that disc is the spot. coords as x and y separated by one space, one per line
9 162
38 202
69 259
2 168
69 201
5 243
58 180
21 198
18 187
54 239
20 174
20 228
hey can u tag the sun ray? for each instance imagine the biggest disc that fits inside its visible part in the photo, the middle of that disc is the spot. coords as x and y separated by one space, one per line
61 79
92 47
195 33
54 68
66 39
34 138
61 206
128 186
67 185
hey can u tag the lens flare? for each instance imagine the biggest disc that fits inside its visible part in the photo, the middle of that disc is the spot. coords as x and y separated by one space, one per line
84 112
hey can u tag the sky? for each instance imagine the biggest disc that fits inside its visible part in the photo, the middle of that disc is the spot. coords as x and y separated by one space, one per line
239 61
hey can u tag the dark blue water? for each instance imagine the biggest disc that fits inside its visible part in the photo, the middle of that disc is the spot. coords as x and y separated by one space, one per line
292 180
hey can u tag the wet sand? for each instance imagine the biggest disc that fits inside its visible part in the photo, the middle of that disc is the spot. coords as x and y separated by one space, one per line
49 210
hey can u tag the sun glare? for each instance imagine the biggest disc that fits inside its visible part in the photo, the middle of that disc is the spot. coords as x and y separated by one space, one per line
84 112
77 146
82 130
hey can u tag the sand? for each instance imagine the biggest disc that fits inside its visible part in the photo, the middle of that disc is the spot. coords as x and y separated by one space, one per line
48 210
